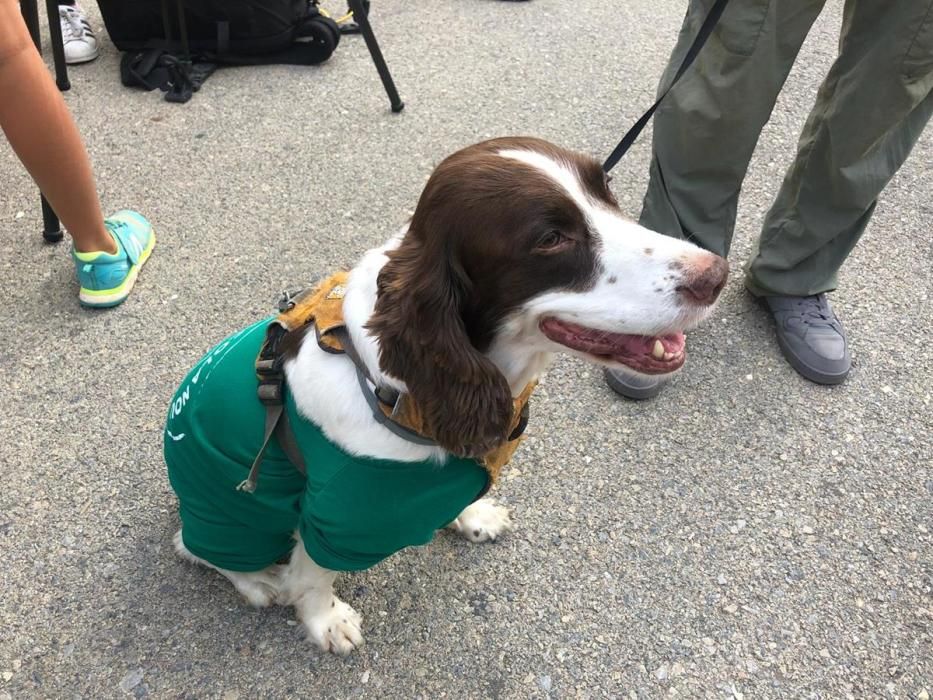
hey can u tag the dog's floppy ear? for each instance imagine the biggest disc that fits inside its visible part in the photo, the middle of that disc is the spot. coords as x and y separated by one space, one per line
465 400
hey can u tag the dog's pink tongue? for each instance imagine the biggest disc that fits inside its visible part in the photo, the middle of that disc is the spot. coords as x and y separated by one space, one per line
606 343
631 344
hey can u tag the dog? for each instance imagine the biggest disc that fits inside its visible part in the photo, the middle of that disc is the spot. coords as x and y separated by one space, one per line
517 250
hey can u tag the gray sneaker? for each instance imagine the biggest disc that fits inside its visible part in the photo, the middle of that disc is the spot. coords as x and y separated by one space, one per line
811 337
637 387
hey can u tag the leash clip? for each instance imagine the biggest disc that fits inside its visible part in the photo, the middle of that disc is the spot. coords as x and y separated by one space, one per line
287 300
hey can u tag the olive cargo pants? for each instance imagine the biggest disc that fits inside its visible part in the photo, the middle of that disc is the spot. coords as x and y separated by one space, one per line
870 110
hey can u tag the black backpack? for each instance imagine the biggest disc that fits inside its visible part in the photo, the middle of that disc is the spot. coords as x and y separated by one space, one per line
176 44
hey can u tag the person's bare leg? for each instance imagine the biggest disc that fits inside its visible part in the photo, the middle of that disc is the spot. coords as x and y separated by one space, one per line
44 137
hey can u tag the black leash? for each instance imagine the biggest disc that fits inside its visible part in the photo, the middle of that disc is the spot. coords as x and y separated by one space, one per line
706 29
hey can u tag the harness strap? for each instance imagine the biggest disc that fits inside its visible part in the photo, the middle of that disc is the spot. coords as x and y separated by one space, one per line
323 309
372 395
286 438
271 394
273 416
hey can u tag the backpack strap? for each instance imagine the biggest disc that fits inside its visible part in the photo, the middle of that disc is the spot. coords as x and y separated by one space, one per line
158 67
138 69
223 37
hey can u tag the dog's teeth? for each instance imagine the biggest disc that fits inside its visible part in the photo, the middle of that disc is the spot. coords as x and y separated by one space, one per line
669 355
658 351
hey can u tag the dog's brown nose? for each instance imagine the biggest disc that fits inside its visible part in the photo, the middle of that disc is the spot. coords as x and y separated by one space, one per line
704 278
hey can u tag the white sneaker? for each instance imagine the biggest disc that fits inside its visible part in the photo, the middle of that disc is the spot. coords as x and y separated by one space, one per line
77 35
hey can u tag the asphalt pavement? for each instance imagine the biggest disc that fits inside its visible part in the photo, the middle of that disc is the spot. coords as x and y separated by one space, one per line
747 534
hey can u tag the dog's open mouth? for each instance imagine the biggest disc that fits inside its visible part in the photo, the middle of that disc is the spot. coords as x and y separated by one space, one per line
645 354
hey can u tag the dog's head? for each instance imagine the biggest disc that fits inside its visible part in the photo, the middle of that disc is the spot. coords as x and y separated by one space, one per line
517 249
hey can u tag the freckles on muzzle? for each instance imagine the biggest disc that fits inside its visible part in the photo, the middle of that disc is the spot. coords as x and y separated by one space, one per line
702 277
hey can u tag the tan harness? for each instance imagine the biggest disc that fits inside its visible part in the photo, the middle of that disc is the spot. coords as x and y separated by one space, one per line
323 307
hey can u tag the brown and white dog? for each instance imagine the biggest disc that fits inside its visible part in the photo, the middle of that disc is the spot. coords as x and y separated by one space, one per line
517 250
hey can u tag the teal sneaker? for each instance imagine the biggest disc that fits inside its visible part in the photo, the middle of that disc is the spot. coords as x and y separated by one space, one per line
105 279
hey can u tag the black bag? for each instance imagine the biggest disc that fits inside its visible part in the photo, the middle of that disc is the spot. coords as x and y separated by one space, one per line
176 44
236 27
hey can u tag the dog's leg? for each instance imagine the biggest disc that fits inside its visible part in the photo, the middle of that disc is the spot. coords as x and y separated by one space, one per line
483 520
330 623
260 588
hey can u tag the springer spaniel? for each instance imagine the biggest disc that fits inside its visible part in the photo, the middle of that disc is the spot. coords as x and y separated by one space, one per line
517 250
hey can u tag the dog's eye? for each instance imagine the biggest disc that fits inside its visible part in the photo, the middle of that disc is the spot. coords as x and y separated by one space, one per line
551 240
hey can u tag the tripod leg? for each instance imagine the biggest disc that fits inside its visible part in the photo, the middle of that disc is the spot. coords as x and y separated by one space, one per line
359 14
51 228
58 46
30 11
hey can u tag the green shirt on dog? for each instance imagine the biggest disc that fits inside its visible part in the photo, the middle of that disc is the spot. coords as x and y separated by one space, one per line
351 512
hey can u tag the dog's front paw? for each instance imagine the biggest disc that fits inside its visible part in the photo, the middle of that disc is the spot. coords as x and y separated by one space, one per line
483 520
336 628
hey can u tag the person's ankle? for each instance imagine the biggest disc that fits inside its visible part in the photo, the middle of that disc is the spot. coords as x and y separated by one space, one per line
104 243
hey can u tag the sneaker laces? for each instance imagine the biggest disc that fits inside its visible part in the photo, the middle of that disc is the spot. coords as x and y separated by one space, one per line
72 24
815 312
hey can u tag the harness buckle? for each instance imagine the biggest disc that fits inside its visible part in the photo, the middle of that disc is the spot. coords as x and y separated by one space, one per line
522 422
270 392
247 485
388 396
266 366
